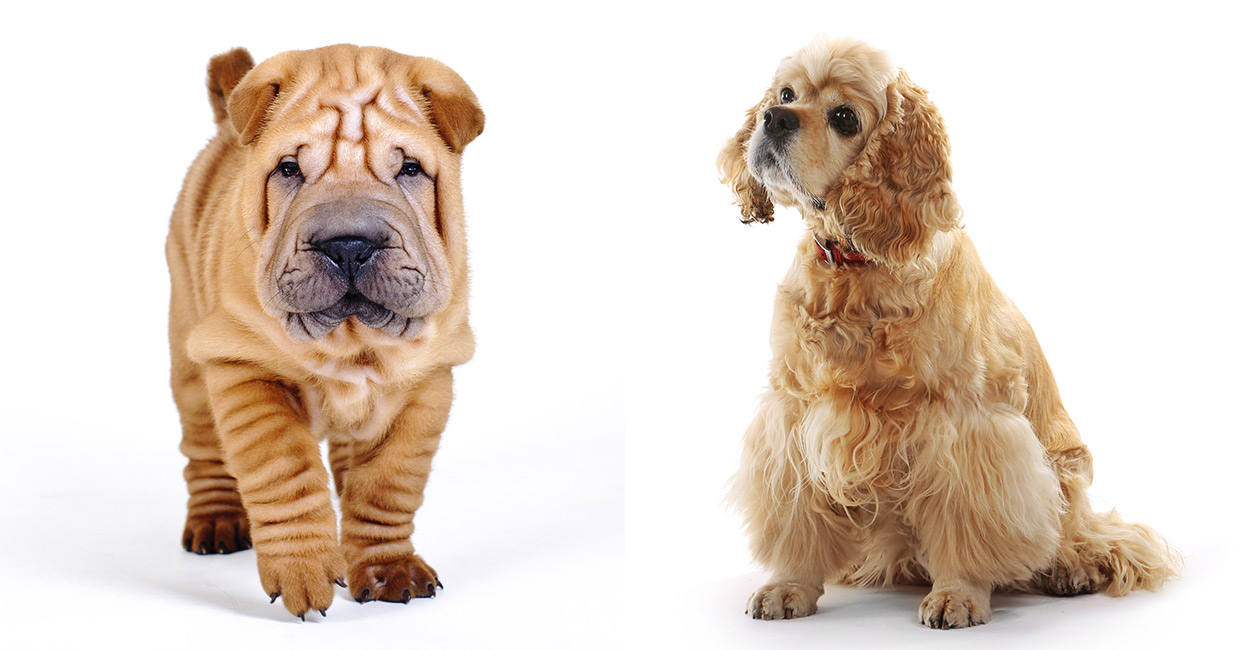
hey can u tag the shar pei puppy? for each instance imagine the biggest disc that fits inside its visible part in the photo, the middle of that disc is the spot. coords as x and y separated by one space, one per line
319 292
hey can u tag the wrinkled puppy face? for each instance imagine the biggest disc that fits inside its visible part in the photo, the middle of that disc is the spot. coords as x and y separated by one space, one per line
823 104
350 245
351 144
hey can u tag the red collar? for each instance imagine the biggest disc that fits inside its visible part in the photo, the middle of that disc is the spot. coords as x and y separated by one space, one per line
828 250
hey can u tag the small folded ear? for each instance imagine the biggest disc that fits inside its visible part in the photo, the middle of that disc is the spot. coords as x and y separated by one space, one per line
249 103
224 73
453 107
897 193
732 163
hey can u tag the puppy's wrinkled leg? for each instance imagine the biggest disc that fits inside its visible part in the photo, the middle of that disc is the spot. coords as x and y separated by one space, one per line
340 460
284 485
792 530
381 492
216 521
986 511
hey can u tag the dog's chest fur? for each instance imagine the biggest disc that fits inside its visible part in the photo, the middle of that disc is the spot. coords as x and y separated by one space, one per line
848 345
855 329
348 399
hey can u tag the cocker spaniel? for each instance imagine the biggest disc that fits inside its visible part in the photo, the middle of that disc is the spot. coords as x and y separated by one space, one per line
912 432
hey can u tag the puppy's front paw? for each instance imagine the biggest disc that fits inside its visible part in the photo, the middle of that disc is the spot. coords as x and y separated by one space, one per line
397 581
783 600
305 581
955 607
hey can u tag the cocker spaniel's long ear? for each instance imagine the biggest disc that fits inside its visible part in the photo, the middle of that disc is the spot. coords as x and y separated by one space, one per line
732 163
897 193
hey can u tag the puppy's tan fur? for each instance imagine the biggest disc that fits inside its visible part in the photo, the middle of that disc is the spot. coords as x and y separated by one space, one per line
254 401
913 432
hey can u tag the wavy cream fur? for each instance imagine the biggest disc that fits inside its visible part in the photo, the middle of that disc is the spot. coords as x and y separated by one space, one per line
912 432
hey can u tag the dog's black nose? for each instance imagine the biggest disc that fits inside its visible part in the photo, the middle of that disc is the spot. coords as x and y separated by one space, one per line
778 120
348 253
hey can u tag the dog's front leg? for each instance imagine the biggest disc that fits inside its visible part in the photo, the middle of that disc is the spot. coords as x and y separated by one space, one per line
283 483
987 510
382 490
792 529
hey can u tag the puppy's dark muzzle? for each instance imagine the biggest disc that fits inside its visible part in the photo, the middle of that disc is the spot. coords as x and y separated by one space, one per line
780 122
351 259
349 254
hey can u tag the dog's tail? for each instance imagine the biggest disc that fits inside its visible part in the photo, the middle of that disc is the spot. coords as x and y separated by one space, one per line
1099 551
1125 556
1102 552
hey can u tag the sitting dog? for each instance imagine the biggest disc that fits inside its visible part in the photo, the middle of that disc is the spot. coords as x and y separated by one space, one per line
319 291
912 432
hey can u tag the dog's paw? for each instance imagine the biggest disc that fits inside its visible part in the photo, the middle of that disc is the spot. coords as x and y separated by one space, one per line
305 582
224 532
783 600
955 607
397 581
1061 580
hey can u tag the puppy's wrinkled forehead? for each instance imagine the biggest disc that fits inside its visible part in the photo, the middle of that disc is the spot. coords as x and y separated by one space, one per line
352 114
846 66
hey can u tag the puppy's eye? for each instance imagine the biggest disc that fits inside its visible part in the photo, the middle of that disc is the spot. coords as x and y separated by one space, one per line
410 168
289 168
787 96
843 119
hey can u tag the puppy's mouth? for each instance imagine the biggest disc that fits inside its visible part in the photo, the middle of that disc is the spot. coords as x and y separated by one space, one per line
323 286
309 326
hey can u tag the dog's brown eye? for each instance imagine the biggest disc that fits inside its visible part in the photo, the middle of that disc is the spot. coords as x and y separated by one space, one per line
289 168
410 168
843 119
787 96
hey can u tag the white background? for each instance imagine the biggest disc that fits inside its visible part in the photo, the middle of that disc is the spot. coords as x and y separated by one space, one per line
622 311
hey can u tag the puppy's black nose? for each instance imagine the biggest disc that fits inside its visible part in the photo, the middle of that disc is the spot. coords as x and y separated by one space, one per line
780 120
348 253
